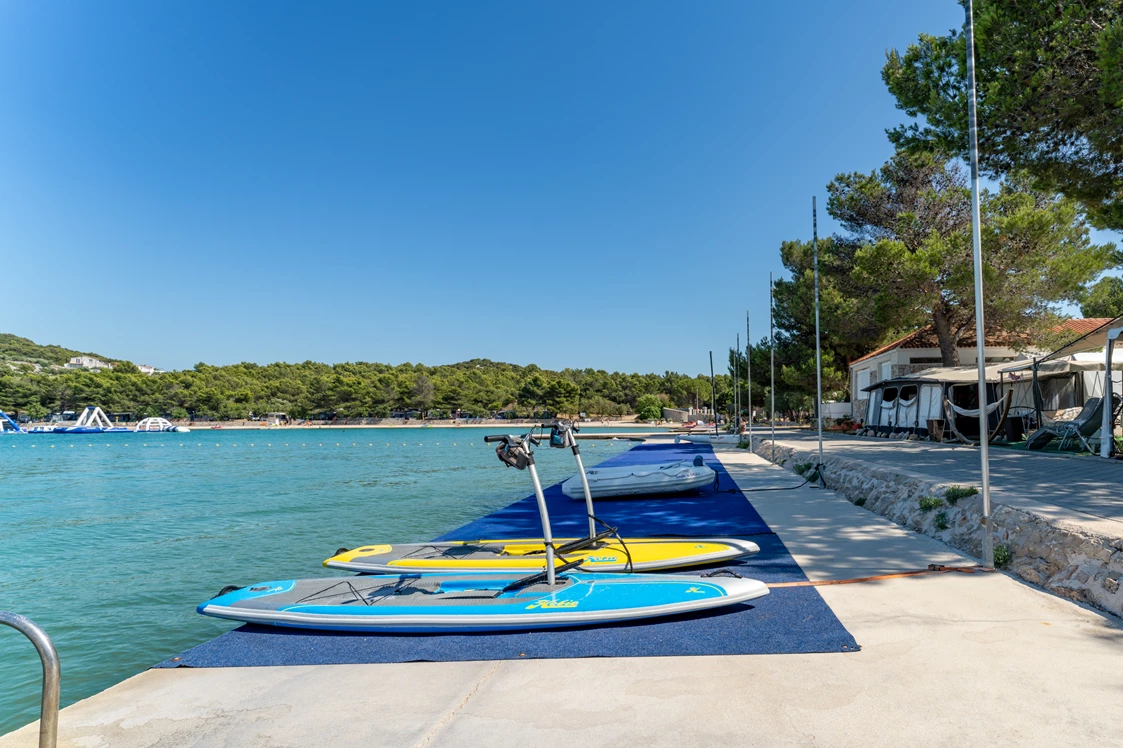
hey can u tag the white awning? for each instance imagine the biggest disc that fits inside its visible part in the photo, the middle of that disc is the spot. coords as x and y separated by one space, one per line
1023 369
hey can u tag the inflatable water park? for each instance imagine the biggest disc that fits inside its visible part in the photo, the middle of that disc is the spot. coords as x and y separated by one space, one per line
93 420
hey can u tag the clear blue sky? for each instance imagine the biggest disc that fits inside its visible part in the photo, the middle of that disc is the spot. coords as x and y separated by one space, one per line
598 184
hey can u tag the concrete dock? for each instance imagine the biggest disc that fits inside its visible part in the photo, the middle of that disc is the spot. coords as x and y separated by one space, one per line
1074 488
946 659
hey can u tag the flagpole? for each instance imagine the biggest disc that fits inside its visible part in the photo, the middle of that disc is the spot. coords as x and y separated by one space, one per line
818 355
713 392
749 375
980 327
737 386
772 365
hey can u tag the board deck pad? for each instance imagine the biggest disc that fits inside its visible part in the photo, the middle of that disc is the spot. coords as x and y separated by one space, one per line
790 620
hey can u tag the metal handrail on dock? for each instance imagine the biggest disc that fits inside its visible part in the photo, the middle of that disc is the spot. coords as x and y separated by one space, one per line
52 674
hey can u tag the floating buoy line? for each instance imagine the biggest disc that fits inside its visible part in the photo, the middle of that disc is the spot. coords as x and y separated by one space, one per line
269 444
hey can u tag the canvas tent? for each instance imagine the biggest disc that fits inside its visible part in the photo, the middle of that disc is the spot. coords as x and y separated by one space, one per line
907 403
1103 337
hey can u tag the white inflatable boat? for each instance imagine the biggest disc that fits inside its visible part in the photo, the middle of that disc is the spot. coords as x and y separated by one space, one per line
733 439
636 480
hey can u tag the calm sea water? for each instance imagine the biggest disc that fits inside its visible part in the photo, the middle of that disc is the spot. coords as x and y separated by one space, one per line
109 542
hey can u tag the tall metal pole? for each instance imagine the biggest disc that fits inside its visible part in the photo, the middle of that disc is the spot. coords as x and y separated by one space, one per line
772 365
980 336
713 392
737 385
818 355
749 374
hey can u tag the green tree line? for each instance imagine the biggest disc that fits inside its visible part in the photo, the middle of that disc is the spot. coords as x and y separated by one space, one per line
350 390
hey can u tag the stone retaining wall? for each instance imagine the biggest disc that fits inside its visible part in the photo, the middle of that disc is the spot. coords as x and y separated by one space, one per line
1064 560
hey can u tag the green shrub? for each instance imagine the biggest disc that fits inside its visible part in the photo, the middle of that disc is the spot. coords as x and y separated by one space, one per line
860 501
942 521
1002 555
928 503
801 467
649 408
955 493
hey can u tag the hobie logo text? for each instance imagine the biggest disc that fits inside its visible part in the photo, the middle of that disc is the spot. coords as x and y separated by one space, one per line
552 604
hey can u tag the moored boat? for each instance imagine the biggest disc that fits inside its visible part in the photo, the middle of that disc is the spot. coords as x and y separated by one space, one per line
708 438
640 480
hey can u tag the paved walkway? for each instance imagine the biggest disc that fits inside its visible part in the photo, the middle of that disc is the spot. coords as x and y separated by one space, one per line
1061 487
951 659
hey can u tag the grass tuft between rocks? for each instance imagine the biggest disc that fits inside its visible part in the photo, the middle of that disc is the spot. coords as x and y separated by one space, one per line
955 493
928 503
1002 556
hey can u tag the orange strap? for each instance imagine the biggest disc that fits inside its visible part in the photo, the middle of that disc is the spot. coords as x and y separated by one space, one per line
932 569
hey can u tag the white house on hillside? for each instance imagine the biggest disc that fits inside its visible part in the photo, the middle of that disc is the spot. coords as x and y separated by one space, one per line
920 350
88 362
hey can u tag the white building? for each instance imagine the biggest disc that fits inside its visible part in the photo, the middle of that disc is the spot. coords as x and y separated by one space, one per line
146 369
88 362
920 350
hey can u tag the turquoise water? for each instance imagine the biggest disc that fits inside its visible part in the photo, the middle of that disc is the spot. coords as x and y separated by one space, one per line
109 542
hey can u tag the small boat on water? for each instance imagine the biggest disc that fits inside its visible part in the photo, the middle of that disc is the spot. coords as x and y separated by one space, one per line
640 480
733 439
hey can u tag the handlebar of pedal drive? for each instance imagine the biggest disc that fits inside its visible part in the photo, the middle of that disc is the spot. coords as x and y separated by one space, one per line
506 437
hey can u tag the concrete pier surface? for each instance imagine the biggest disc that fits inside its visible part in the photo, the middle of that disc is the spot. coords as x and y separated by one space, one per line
1065 487
946 659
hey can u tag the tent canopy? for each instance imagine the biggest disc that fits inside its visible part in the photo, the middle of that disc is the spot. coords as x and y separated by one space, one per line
994 374
940 375
1021 370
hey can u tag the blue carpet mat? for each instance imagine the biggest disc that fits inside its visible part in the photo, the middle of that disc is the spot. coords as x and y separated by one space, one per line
789 620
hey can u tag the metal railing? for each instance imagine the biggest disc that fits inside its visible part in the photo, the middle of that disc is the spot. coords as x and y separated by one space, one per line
52 674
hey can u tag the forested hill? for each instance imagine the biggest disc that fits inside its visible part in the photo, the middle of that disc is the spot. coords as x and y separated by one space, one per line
15 348
352 390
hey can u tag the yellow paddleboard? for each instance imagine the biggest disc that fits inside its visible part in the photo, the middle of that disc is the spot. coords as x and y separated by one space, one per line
528 554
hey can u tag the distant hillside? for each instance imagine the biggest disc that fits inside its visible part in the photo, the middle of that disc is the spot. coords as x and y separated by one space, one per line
478 387
15 348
